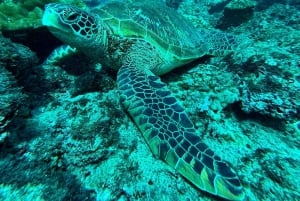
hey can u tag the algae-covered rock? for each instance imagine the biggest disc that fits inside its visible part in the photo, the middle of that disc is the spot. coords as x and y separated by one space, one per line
24 14
9 98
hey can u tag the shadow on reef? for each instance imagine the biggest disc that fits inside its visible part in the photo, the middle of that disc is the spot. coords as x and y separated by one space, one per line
267 121
265 4
60 185
38 40
24 50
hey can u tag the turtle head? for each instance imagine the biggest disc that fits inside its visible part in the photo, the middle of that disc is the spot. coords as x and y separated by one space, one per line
75 27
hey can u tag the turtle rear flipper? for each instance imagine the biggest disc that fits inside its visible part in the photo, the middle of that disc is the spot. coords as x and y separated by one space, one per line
171 135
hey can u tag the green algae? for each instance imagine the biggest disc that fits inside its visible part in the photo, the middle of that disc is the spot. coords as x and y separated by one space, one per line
25 14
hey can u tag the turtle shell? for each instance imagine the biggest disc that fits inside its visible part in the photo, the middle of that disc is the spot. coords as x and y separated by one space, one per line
159 25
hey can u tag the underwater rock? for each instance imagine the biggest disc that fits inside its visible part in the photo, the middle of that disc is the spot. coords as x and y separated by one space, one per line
269 104
236 12
15 60
15 57
11 96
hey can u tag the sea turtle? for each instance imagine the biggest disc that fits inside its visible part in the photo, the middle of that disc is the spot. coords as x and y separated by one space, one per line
142 41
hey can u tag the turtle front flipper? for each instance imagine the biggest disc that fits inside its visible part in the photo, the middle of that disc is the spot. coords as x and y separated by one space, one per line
59 54
171 135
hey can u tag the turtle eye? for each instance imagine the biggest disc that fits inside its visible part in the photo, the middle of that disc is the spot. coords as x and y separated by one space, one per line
72 16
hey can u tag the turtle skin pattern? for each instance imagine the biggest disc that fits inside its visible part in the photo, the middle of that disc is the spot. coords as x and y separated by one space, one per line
171 135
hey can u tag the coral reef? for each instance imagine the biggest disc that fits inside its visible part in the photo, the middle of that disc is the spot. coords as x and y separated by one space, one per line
77 143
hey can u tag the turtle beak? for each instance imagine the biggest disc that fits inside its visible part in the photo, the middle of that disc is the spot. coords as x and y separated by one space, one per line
49 17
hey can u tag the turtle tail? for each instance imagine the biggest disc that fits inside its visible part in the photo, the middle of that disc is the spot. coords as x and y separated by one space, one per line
171 135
